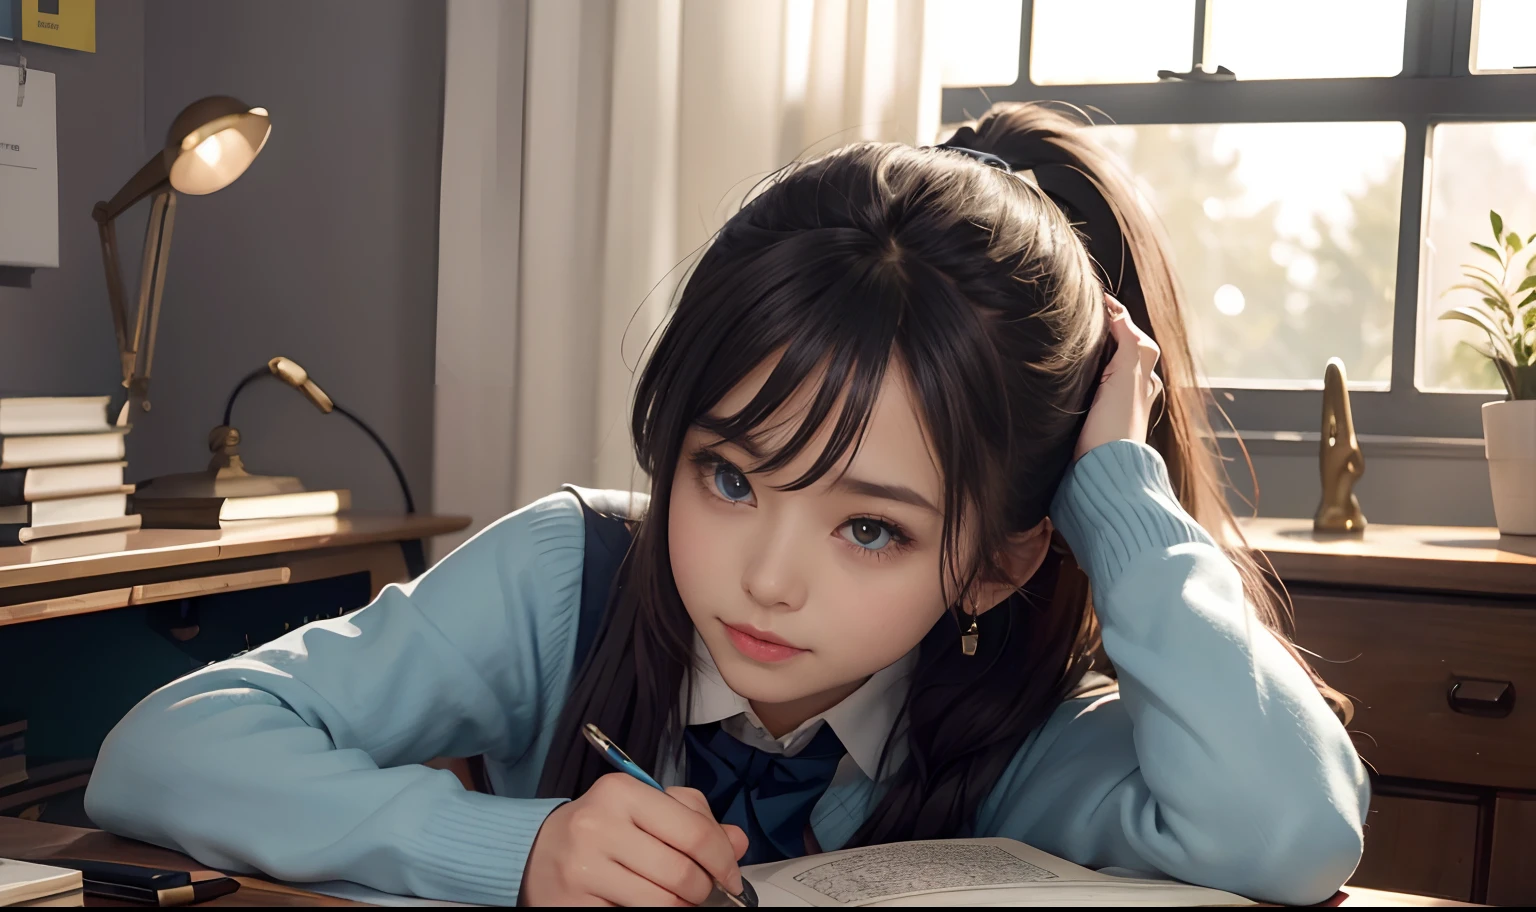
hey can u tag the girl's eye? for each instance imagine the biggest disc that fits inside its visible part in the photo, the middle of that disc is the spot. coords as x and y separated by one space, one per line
869 534
731 483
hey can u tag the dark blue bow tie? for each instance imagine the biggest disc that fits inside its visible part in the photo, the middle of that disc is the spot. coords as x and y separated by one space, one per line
770 796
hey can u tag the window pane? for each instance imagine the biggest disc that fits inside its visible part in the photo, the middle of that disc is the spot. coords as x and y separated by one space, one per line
1473 168
1502 39
979 41
1307 39
1093 41
1284 238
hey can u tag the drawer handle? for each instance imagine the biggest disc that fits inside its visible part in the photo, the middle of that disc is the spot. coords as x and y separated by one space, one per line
1490 699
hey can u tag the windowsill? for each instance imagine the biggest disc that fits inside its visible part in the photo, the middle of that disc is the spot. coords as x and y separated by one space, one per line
1305 443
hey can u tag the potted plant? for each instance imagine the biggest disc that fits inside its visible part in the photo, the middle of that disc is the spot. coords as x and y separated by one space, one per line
1507 313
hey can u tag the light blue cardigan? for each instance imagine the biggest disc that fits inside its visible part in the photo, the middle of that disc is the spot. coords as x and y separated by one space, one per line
1217 764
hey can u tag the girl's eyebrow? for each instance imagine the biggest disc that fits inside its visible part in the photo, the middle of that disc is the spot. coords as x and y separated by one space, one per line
744 444
892 492
898 493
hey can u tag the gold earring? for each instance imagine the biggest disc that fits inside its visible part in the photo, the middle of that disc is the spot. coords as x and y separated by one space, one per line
969 639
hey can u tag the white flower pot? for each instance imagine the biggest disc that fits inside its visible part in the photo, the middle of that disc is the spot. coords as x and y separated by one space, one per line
1509 435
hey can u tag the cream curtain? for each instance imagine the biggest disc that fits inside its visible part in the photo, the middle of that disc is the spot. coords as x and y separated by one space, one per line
636 128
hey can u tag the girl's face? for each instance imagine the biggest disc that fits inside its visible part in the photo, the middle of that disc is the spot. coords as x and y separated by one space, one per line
801 595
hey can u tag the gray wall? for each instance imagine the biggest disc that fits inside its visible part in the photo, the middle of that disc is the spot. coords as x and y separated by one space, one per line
56 336
1405 482
324 251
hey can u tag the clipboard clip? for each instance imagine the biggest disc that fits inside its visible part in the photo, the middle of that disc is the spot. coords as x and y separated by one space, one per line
21 58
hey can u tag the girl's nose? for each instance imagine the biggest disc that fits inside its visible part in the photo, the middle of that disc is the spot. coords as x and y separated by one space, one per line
773 576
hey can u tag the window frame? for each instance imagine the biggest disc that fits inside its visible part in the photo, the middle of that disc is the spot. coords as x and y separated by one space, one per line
1435 86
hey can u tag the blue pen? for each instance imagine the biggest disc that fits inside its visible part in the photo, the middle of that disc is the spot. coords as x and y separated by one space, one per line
623 764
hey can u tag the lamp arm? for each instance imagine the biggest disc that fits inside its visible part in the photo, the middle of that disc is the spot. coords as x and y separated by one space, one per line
155 175
115 298
136 332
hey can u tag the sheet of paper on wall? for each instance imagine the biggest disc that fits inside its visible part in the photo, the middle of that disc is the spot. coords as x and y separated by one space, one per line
29 171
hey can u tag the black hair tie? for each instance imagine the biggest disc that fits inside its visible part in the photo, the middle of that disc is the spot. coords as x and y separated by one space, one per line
964 135
986 158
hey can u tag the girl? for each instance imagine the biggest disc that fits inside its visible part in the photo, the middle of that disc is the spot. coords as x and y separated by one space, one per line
846 615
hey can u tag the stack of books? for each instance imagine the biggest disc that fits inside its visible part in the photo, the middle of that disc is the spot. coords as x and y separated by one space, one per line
61 469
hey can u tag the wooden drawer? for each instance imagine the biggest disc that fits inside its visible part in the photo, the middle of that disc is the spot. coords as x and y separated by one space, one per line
1399 658
1512 871
1419 844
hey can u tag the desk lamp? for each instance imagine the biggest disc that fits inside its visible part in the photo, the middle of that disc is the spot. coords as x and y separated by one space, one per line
210 144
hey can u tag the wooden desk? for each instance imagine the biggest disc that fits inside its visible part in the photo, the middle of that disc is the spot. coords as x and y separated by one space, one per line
1431 631
30 841
82 574
89 625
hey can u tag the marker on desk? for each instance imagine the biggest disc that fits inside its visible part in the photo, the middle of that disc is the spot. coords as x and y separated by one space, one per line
623 764
143 884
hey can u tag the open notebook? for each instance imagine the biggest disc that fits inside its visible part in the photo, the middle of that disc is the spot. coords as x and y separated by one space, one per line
960 872
948 872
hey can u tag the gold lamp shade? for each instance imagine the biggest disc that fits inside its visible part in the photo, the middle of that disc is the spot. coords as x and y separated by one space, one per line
212 142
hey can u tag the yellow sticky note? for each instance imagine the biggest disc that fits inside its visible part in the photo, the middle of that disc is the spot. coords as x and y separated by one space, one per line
61 23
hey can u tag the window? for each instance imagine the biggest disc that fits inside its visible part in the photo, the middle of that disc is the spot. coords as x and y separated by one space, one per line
1321 169
1280 233
1307 39
1078 42
1472 167
1096 41
1502 37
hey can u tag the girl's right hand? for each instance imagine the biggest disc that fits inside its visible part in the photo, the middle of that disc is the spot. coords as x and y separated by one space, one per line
624 843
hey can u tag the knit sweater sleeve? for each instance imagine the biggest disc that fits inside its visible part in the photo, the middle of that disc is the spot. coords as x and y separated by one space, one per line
303 759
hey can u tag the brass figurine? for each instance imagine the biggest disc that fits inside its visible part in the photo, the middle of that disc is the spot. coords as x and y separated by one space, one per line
1341 461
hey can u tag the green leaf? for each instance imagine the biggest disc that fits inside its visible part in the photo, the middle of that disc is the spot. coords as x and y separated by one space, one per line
1500 307
1531 266
1507 370
1530 298
1513 242
1486 323
1509 373
1498 223
1487 287
1490 275
1490 251
1525 388
1530 282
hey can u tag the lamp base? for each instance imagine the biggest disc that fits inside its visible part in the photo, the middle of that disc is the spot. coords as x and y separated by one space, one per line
225 476
217 484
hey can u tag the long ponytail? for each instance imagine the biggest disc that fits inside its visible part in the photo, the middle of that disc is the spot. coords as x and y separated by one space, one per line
1127 244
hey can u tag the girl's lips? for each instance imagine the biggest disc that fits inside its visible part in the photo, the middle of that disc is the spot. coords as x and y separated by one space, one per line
760 650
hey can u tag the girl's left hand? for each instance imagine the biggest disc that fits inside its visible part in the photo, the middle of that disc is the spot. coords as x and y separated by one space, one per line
1122 406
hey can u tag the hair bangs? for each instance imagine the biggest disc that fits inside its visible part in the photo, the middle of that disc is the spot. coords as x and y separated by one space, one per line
830 369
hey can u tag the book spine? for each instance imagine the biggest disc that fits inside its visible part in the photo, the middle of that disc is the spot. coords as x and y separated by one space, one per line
13 487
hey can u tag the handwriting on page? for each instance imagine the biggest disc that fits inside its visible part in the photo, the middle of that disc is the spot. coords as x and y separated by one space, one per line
899 869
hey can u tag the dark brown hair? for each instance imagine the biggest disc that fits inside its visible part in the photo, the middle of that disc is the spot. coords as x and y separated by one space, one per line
986 288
